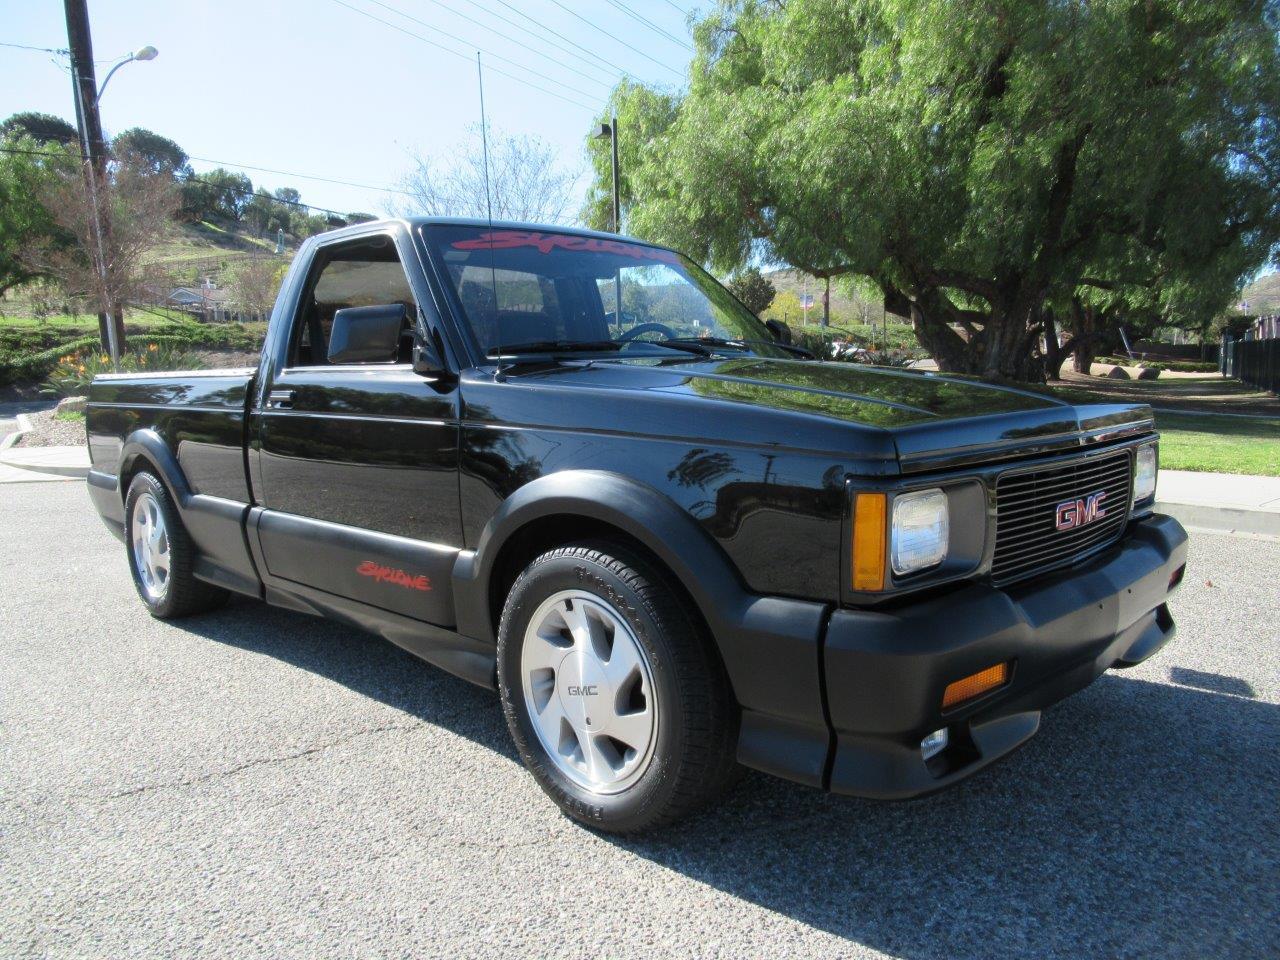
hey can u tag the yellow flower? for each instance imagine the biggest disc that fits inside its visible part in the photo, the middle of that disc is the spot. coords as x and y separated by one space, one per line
104 359
81 368
153 347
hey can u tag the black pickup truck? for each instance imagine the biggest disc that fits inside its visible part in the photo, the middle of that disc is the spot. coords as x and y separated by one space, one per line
573 467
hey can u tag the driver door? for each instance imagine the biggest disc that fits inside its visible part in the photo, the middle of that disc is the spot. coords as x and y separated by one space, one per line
357 463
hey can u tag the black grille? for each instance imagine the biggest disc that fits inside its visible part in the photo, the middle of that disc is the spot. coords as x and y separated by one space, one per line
1027 538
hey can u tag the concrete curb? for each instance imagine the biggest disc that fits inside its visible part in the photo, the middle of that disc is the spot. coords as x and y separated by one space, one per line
1231 520
45 460
24 427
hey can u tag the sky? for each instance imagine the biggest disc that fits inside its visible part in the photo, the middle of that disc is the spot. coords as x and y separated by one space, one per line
319 87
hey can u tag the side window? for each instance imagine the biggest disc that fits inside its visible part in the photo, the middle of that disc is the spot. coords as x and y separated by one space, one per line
361 273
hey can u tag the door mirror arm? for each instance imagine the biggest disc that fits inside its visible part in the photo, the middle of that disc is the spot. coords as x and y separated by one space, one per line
428 359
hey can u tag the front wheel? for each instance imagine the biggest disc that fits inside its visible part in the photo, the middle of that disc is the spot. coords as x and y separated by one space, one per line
617 702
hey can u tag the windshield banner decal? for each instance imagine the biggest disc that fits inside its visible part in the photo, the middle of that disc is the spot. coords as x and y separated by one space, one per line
546 242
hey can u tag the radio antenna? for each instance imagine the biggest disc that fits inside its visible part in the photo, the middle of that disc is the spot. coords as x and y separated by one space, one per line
488 203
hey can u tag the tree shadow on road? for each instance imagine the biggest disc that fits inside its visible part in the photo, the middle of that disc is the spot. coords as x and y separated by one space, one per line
1141 821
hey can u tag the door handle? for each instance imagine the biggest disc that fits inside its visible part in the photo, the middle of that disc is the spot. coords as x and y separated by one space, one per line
280 400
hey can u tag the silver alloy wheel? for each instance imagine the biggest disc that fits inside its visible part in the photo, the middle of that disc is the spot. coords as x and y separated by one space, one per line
150 542
589 691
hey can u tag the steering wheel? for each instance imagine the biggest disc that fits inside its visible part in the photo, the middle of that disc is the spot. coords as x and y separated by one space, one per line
636 331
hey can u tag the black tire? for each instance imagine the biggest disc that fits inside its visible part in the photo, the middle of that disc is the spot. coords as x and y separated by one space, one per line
693 754
182 594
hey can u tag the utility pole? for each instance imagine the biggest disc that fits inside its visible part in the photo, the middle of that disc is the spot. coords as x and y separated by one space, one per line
93 154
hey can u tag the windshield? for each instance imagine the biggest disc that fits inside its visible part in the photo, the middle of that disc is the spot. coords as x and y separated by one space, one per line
542 290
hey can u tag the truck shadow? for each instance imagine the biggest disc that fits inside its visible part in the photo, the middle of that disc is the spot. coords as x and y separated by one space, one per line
1141 820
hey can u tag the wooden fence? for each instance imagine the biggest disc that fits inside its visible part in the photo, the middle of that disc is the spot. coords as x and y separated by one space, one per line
1255 362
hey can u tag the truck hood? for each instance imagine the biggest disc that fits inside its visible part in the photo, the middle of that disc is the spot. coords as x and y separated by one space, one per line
933 420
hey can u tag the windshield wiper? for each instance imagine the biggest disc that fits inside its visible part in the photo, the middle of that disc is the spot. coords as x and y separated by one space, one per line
555 346
741 344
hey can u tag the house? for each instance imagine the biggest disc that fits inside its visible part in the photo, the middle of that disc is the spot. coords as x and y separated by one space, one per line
207 301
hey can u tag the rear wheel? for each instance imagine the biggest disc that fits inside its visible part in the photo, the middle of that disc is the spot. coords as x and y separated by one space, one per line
616 701
161 555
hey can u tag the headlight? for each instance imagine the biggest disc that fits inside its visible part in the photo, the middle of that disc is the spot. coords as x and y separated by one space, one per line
1144 473
920 530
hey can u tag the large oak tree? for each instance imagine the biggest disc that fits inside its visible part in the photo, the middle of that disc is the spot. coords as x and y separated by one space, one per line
979 161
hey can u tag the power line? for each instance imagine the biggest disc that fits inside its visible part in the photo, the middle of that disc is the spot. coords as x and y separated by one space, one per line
441 46
302 176
611 36
648 23
496 56
679 9
193 178
508 37
605 67
23 46
249 166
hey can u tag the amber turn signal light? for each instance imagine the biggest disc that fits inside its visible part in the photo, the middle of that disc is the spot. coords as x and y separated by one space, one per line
868 541
975 685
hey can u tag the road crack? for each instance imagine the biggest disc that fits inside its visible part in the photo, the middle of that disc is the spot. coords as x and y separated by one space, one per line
262 761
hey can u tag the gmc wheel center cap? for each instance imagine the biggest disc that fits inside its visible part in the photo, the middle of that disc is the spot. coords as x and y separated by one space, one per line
583 691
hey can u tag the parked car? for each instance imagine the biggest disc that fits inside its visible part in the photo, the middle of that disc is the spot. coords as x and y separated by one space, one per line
572 467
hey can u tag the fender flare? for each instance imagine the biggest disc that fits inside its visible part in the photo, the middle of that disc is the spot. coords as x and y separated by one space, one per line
769 645
149 444
637 509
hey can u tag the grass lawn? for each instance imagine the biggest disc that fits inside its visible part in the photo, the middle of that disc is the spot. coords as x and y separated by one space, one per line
1197 440
1219 444
84 323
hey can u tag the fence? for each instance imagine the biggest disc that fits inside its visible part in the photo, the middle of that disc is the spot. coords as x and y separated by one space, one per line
1255 362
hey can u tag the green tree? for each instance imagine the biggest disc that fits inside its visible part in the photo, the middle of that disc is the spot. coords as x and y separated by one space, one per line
43 128
977 161
27 170
159 153
753 289
643 116
217 194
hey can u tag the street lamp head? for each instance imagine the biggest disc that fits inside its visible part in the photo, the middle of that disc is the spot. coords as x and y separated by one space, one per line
146 53
604 133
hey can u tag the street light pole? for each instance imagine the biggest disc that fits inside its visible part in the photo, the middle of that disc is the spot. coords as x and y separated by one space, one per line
609 131
613 142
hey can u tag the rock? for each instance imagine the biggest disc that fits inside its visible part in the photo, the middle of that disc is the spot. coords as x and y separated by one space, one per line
1118 373
72 404
1148 373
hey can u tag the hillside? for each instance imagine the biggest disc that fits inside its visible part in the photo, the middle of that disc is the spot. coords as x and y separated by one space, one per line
206 239
1263 295
849 308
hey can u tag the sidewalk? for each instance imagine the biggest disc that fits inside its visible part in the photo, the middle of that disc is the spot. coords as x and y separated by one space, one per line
1221 502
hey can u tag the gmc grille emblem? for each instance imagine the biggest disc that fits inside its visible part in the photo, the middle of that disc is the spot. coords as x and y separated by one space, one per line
1076 513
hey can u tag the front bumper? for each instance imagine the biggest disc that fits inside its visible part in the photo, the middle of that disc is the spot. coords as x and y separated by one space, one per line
884 671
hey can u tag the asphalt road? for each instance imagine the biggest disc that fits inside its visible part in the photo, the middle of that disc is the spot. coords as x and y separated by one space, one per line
260 783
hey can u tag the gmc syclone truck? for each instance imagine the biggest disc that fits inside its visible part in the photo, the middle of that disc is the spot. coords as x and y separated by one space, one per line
572 467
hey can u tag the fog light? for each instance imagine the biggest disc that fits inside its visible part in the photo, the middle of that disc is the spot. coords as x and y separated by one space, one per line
934 743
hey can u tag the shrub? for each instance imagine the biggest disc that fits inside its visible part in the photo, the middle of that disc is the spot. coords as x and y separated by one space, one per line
73 372
28 357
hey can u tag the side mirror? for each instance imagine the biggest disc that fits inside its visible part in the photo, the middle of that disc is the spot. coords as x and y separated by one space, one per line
778 330
367 334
